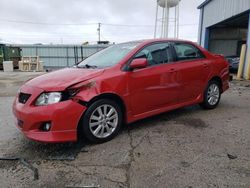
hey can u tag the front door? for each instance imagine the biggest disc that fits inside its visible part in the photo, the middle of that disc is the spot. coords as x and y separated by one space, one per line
157 85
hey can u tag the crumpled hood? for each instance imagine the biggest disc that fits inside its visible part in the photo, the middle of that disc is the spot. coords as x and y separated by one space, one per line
61 79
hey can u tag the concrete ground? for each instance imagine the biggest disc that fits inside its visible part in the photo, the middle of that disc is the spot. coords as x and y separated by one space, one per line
186 148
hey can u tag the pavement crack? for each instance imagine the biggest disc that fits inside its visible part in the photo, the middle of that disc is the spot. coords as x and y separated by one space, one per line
106 166
121 183
132 155
30 166
131 159
113 181
141 140
25 163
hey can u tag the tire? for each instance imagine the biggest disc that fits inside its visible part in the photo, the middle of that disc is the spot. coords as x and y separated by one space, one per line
102 121
212 95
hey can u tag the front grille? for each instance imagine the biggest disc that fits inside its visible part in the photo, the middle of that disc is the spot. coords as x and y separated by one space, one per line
23 97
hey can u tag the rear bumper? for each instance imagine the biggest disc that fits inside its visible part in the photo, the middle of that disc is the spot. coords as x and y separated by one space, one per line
225 77
64 118
225 86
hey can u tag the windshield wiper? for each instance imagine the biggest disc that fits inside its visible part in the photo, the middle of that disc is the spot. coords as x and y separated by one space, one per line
88 66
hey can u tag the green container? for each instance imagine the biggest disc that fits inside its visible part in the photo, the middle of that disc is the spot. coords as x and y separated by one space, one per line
9 53
1 56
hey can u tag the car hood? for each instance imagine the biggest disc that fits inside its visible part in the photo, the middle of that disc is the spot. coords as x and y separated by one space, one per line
62 79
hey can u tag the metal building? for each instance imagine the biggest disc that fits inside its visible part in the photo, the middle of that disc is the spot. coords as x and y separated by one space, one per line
224 27
59 56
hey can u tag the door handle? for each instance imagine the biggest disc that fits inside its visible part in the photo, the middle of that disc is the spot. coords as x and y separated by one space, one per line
205 65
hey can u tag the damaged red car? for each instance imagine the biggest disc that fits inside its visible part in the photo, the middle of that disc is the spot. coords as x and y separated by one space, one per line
119 85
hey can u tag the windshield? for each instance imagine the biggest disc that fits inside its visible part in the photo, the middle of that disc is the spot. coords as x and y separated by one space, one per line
109 56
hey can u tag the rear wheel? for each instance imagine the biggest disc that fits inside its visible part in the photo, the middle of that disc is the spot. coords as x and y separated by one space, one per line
102 121
212 95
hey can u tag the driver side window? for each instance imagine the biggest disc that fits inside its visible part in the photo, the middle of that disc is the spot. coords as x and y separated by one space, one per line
156 54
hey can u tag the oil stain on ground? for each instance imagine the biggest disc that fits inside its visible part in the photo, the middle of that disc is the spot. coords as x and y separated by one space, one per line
192 122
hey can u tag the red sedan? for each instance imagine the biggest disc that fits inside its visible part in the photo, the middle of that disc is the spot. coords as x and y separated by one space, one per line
121 84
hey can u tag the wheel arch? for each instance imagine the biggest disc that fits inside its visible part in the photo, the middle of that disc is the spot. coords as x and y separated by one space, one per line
219 80
110 96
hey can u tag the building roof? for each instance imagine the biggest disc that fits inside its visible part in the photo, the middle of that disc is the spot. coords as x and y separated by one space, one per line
204 4
3 42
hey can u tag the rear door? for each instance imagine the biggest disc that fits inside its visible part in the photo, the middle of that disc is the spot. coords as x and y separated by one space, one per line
193 69
157 85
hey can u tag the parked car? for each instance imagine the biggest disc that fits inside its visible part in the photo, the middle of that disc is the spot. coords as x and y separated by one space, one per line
234 62
121 84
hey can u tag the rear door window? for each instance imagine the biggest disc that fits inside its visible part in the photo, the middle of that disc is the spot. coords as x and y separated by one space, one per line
187 52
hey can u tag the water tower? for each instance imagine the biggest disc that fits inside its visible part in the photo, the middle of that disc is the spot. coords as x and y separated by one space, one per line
166 5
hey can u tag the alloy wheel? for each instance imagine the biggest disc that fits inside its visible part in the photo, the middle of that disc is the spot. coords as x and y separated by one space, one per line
213 95
103 121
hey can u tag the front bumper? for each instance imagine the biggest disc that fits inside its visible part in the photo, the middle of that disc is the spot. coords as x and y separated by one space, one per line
64 118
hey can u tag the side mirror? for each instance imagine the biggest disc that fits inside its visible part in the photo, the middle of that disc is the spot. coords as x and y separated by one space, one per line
139 63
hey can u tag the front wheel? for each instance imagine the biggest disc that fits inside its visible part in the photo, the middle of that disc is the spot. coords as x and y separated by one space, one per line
102 121
212 95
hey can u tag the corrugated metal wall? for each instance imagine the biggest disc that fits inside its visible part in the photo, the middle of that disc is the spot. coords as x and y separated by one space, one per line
59 55
219 10
225 40
225 47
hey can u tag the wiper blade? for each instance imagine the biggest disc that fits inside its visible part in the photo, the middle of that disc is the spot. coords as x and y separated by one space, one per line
88 66
91 66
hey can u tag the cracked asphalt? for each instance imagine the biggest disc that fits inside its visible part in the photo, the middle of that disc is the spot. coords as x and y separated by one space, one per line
186 148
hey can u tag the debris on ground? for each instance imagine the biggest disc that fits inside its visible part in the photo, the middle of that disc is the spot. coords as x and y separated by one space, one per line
232 157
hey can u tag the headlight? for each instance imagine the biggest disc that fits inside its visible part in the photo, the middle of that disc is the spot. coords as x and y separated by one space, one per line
48 98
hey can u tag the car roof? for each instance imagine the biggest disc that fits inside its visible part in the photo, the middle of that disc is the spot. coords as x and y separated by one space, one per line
148 41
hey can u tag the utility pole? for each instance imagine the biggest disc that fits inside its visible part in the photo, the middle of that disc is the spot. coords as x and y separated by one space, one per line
156 20
178 21
99 32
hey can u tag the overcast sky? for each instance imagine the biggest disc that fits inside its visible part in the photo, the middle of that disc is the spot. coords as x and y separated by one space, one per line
49 21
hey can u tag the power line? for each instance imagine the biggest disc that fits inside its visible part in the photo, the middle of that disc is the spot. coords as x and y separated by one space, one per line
82 24
69 24
125 25
44 23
